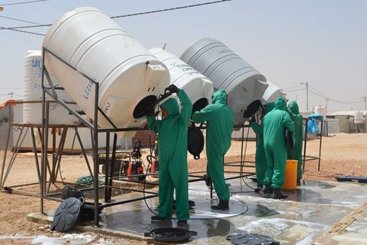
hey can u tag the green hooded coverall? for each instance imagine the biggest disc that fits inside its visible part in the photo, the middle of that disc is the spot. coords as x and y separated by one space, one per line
172 148
220 119
260 158
298 136
275 123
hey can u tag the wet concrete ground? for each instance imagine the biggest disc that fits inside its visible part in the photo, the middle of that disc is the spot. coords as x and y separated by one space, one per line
304 218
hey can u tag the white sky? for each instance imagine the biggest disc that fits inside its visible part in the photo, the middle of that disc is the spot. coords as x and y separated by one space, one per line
322 42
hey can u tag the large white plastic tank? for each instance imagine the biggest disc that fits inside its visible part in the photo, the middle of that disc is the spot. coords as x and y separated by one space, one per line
32 97
271 93
129 77
198 87
227 71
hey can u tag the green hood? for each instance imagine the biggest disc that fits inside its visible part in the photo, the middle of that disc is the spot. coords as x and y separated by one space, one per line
280 104
293 107
219 97
171 106
269 107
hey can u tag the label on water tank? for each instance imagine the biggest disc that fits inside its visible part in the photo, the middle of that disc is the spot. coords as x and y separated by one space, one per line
88 89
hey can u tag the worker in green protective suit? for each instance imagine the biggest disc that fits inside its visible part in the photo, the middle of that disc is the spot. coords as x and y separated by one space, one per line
219 118
172 148
296 154
275 124
260 158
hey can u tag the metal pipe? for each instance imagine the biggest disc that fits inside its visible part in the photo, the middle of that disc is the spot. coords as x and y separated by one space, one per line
83 151
95 154
36 155
44 148
305 146
15 153
107 168
322 129
6 149
112 165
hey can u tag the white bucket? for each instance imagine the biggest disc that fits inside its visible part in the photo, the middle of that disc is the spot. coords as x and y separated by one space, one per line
227 71
129 77
198 87
271 93
32 97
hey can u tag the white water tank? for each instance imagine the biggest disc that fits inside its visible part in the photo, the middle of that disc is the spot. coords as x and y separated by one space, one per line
32 97
271 93
244 85
129 77
198 87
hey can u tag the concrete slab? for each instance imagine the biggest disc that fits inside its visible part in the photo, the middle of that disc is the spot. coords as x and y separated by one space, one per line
306 217
308 212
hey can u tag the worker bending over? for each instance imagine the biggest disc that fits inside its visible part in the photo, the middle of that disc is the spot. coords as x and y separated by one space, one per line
276 122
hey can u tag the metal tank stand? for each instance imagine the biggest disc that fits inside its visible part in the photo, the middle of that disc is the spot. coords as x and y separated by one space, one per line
241 164
93 86
309 157
10 118
52 167
6 167
48 88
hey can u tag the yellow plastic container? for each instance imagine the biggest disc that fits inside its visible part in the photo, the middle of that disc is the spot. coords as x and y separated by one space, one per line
290 180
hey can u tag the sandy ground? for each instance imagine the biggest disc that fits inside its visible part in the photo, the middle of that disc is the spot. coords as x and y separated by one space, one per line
341 154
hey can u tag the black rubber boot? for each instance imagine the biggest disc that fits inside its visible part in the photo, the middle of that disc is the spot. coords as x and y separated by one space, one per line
222 205
182 223
156 218
208 181
258 189
268 190
278 194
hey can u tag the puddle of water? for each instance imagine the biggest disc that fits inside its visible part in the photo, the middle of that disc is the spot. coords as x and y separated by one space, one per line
73 239
279 229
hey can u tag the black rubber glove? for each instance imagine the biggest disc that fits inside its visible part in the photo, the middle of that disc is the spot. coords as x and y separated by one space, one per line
172 88
150 111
